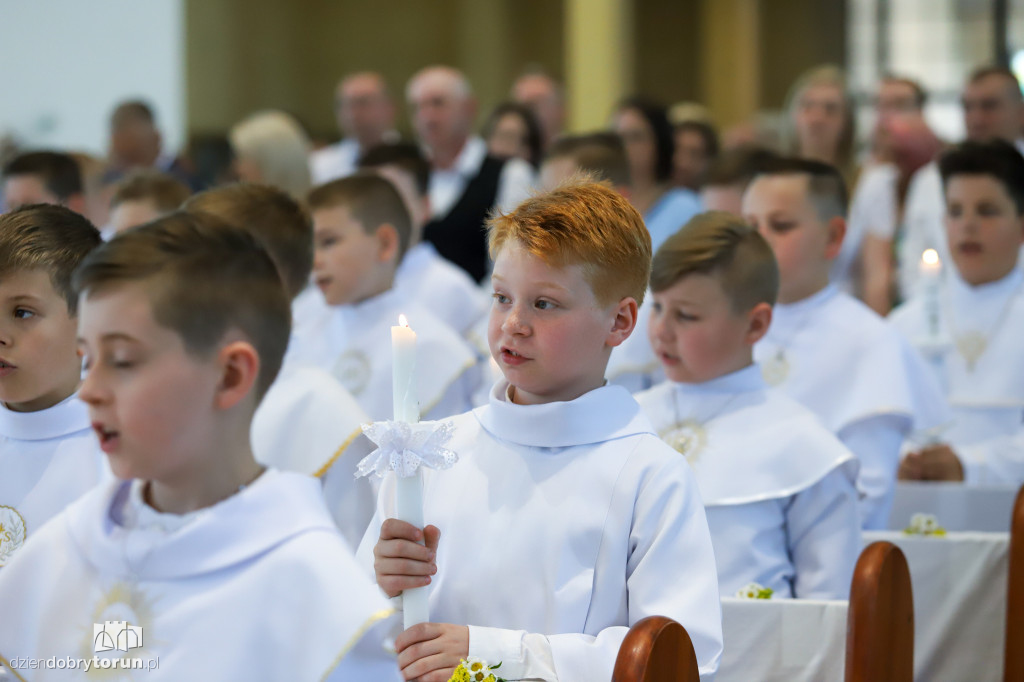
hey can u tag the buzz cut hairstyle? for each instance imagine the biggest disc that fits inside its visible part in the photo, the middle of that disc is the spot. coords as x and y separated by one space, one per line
371 200
997 159
58 172
204 278
920 94
279 222
586 223
825 185
723 246
403 155
50 238
164 191
600 155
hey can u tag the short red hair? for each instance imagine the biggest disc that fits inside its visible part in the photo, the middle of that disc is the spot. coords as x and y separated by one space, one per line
584 223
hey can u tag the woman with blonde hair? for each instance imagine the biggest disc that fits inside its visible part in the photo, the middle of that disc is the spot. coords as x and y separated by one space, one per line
821 119
271 148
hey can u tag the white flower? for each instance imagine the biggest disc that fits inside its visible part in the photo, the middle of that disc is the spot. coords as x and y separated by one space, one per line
404 448
754 591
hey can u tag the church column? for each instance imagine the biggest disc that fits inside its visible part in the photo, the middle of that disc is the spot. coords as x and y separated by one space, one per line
730 62
598 59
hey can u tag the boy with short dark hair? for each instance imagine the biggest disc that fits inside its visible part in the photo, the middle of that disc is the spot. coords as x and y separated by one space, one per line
48 457
779 489
183 323
566 520
144 196
307 422
42 177
974 343
826 350
362 230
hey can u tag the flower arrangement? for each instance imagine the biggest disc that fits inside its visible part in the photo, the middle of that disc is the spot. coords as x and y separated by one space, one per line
924 524
755 591
475 670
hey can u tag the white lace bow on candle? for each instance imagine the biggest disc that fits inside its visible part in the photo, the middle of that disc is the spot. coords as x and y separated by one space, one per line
404 448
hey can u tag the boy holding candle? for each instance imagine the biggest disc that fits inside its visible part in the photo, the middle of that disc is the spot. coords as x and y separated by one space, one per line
970 329
779 489
566 519
307 421
48 457
183 323
361 231
825 349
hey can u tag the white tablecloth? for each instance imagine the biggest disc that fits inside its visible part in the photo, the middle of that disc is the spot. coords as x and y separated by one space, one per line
958 507
959 584
783 640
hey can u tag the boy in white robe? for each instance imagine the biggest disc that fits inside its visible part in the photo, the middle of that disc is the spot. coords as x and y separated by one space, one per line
826 350
566 520
361 231
778 488
307 422
969 325
199 562
48 457
423 275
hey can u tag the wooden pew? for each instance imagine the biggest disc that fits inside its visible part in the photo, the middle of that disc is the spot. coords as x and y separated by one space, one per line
1013 662
880 622
656 649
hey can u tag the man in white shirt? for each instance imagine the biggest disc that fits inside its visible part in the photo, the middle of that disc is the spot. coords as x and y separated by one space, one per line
465 183
993 110
366 117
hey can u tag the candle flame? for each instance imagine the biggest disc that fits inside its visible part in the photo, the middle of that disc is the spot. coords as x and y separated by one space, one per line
402 321
930 257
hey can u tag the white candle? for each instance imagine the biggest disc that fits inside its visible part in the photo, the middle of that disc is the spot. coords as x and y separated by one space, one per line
931 271
408 490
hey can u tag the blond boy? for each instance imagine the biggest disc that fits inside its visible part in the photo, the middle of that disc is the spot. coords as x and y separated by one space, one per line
48 456
307 422
779 489
361 232
826 350
211 565
567 519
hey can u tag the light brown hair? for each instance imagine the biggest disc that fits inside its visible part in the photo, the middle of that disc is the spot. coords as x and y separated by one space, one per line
164 191
371 200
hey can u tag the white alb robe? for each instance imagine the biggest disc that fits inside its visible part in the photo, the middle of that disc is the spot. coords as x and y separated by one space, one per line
257 587
561 525
353 343
987 431
48 459
862 379
778 488
441 287
308 423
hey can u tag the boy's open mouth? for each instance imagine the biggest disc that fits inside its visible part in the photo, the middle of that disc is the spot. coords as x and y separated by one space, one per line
512 357
107 437
6 367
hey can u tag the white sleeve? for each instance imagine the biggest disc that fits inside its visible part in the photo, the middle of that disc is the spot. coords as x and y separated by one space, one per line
369 659
522 655
514 184
994 461
873 208
824 537
876 442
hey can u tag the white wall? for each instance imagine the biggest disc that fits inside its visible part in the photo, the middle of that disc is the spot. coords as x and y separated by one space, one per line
64 65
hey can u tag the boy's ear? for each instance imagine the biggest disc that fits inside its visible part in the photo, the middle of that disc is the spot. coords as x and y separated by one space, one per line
239 365
387 242
759 319
836 232
623 323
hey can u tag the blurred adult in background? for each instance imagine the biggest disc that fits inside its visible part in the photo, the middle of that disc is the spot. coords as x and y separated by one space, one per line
211 159
512 132
271 148
365 111
136 143
696 144
546 99
901 142
465 182
42 177
822 128
821 120
993 110
647 135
